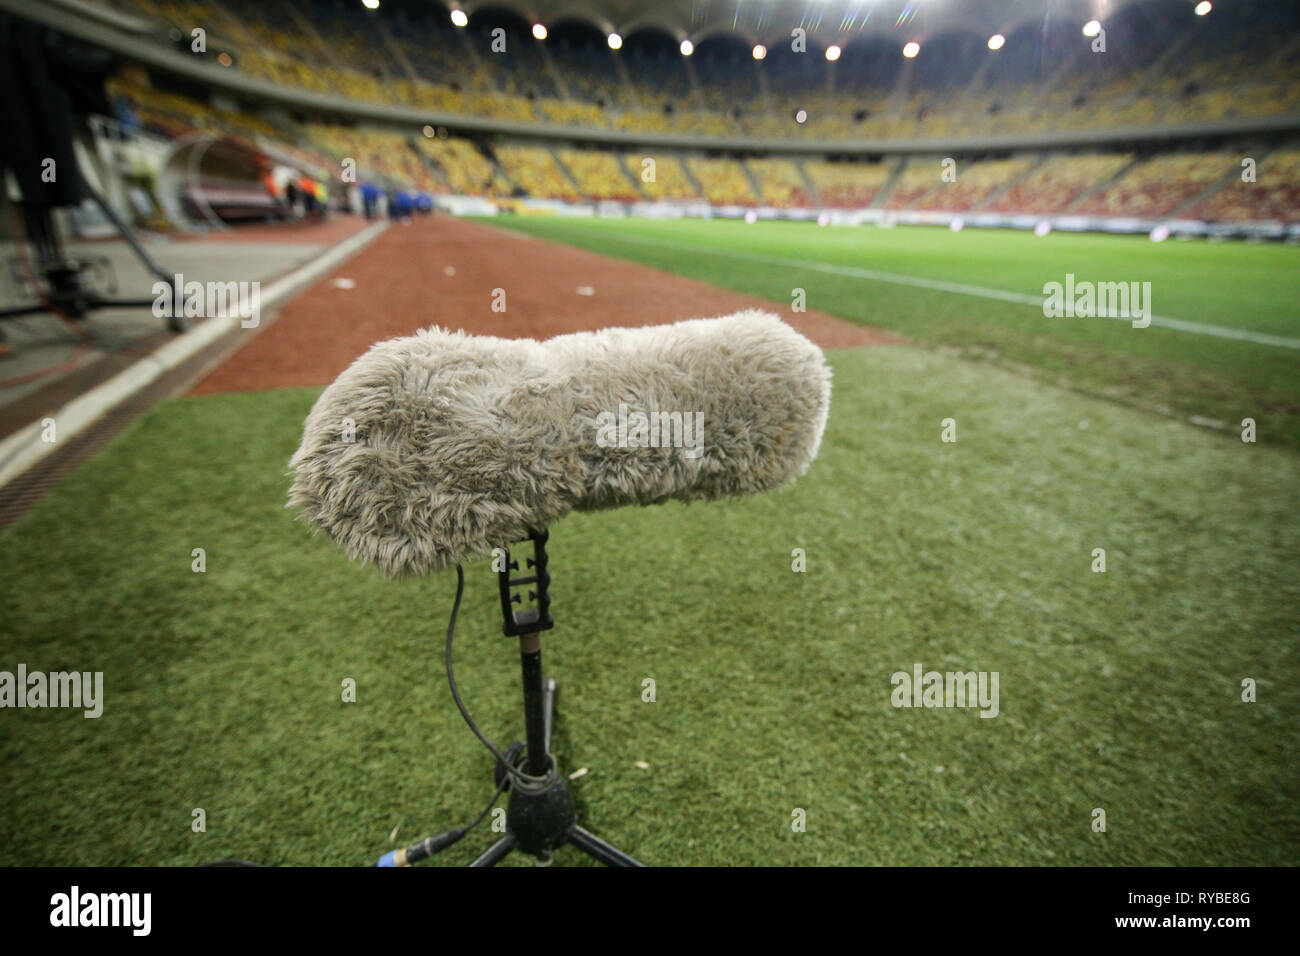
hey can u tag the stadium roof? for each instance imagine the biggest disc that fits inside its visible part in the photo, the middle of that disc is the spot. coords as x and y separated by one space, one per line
825 20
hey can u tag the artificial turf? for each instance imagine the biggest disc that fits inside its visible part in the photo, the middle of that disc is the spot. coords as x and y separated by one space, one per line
1243 286
1118 690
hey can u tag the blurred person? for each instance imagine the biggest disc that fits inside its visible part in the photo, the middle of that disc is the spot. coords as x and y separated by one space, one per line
266 173
370 194
307 189
292 198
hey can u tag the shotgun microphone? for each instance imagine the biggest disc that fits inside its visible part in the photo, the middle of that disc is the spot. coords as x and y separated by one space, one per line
435 448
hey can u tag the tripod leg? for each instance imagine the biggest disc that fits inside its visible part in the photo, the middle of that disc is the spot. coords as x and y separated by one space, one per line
549 690
597 848
128 235
496 852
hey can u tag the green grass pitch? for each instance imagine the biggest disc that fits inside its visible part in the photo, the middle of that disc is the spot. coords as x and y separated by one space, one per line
1118 690
1252 288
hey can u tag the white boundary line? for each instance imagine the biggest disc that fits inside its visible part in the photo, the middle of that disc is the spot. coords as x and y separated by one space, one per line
24 447
1181 325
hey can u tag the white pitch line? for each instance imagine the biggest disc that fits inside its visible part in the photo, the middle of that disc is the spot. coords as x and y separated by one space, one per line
874 275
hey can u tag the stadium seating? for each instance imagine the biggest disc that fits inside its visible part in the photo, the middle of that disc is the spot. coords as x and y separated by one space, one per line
1274 195
847 185
974 184
571 113
1158 186
1054 185
599 175
467 171
780 183
723 181
917 179
534 170
422 60
661 175
414 58
378 155
1101 184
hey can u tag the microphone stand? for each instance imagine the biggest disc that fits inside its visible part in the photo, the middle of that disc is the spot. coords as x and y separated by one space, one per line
539 813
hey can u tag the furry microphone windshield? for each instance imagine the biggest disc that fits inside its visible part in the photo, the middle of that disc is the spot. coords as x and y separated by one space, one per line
441 446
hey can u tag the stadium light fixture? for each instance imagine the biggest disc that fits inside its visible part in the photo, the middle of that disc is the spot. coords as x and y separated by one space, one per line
539 31
760 51
687 48
833 53
458 18
997 41
1203 8
1091 28
801 117
911 49
370 4
615 41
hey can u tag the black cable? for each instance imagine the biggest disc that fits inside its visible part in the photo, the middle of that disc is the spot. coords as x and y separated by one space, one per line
501 788
435 844
439 842
517 775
